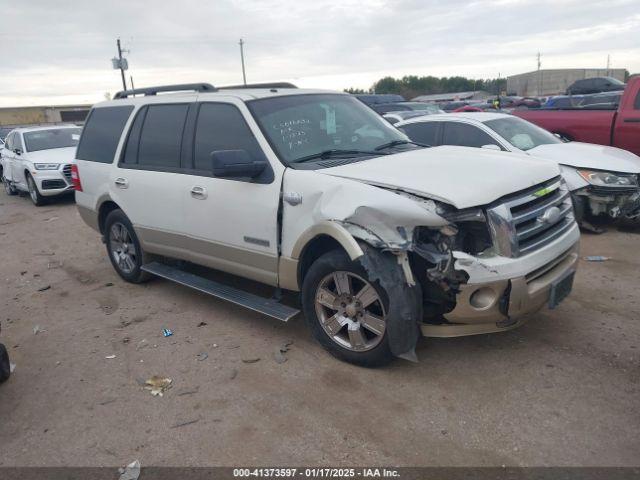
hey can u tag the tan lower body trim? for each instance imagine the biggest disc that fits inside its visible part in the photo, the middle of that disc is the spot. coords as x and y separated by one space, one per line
89 216
288 274
261 267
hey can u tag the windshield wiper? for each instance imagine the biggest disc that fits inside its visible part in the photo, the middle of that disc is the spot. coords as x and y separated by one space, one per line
335 152
395 143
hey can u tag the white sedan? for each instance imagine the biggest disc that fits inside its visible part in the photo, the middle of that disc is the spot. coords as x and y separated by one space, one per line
602 180
38 160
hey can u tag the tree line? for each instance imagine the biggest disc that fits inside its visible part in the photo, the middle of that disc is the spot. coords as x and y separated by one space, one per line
411 86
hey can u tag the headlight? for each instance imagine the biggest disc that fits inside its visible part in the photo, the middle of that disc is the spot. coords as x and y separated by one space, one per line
46 166
609 179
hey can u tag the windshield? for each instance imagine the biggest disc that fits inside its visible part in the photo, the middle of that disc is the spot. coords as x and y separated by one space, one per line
300 126
520 133
54 138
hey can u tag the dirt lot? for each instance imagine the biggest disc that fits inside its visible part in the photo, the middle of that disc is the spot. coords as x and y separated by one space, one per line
562 390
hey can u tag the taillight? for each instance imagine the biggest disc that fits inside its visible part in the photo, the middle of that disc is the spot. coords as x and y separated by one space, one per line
75 178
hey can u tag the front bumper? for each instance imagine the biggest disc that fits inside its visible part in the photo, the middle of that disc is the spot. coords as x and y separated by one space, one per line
501 304
52 182
612 202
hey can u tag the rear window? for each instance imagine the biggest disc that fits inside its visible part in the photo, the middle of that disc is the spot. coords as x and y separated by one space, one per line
161 136
101 134
425 133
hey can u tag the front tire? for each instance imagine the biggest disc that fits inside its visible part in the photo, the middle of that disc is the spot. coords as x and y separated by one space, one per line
37 199
346 311
123 248
5 366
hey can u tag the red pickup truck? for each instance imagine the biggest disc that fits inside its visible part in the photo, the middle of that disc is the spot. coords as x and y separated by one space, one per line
618 128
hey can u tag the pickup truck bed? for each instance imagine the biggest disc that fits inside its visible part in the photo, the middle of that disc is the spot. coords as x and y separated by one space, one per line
617 128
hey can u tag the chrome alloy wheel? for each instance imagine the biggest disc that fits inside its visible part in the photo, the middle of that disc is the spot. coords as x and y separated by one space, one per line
350 311
33 190
122 247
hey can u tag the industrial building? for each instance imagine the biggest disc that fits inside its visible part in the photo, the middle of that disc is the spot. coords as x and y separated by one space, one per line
43 114
541 83
454 97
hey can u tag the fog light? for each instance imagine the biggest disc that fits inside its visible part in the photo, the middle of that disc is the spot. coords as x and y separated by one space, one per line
483 298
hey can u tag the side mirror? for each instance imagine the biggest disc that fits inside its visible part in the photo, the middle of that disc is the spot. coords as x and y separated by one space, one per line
236 163
17 151
492 146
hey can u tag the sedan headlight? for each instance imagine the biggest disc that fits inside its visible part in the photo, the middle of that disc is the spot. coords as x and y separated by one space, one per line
609 179
46 166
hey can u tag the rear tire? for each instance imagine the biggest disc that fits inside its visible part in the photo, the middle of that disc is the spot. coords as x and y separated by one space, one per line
37 199
348 320
9 188
5 366
123 247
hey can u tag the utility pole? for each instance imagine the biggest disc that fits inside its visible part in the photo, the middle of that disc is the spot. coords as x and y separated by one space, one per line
539 77
121 64
131 81
244 75
608 64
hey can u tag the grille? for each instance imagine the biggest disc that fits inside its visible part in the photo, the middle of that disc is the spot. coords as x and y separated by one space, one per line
607 191
531 219
66 171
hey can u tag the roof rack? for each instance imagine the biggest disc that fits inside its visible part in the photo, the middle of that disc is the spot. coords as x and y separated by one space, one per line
259 85
149 91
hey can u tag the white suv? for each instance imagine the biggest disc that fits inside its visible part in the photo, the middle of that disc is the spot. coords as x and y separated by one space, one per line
38 160
312 191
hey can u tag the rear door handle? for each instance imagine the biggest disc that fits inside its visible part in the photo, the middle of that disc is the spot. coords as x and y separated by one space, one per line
632 120
199 193
121 182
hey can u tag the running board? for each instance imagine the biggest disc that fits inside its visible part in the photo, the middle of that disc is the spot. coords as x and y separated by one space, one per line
266 306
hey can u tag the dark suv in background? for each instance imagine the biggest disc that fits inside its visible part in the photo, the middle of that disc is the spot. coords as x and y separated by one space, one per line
595 85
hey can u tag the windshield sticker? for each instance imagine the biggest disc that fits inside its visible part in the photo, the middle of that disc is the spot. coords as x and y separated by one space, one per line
330 119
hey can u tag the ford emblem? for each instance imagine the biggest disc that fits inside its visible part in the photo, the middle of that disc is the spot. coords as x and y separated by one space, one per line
551 215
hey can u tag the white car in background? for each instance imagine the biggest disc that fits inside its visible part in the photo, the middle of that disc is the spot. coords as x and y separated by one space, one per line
396 117
38 160
602 180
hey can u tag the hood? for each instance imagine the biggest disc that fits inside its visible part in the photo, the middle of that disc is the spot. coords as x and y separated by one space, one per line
589 155
461 176
53 155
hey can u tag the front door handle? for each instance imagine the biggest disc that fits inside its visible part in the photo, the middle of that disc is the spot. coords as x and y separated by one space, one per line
121 182
632 120
199 193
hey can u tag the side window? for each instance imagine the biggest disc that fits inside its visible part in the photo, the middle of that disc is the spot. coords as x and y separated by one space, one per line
17 142
465 135
636 103
101 134
130 156
221 127
161 136
425 132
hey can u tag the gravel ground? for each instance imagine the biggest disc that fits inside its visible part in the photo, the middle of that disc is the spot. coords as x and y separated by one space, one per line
562 390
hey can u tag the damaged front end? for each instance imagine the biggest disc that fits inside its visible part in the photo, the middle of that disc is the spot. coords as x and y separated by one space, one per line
611 202
474 269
